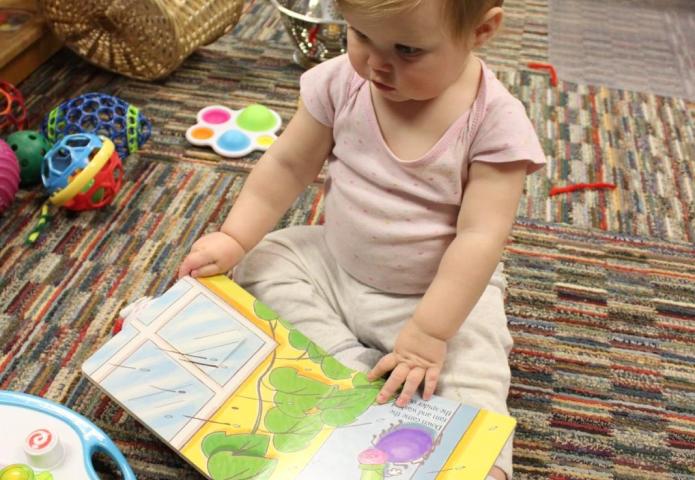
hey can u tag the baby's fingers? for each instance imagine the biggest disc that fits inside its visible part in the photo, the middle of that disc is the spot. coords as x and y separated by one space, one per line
206 270
431 379
396 379
194 261
412 381
383 366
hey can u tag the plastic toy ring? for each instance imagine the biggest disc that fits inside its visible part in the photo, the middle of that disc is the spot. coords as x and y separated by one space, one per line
80 181
55 442
8 103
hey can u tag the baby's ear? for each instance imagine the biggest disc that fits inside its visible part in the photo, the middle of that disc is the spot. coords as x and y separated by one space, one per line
488 26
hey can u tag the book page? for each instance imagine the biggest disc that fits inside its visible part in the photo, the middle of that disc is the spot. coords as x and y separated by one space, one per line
232 388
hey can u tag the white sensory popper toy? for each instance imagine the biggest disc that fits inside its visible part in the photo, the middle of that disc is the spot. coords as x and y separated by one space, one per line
235 133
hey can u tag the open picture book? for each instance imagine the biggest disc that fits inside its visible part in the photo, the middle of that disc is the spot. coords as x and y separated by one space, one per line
241 394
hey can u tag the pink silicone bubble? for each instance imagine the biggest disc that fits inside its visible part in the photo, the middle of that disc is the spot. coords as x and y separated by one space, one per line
216 116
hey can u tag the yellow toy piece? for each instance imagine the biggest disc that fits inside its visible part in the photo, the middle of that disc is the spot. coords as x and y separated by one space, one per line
81 180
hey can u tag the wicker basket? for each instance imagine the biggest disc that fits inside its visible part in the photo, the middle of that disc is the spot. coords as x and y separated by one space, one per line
144 39
316 27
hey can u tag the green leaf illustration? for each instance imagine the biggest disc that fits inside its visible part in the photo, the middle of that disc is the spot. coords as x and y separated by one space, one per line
228 466
263 311
292 434
316 353
296 395
298 340
342 407
240 444
334 369
285 323
301 342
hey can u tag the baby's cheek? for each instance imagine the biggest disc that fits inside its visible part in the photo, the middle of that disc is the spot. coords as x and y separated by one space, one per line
358 59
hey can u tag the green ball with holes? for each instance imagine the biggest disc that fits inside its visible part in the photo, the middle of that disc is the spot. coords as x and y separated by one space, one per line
30 147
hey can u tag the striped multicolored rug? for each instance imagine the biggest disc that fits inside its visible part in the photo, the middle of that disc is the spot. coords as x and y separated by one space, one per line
602 311
641 45
603 368
643 143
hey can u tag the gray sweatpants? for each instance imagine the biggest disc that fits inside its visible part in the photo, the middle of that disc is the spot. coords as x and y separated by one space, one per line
293 272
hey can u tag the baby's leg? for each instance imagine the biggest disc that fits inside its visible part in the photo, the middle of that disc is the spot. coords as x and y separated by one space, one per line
477 371
293 272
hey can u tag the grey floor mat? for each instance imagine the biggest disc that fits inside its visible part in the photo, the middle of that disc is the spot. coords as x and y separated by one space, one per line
642 45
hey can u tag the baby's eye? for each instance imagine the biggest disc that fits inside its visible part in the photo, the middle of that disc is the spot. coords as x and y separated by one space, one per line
407 51
359 34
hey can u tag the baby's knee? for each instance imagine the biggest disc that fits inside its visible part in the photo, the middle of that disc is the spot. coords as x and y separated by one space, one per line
250 267
267 259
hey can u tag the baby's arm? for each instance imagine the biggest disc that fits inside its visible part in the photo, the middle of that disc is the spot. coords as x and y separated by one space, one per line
281 174
485 219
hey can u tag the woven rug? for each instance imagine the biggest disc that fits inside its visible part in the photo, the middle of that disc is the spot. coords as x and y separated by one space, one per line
641 45
603 368
643 143
523 38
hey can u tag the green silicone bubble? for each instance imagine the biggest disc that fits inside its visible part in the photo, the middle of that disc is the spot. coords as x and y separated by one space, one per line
256 118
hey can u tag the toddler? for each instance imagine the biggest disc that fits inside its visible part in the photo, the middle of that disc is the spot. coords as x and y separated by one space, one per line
426 155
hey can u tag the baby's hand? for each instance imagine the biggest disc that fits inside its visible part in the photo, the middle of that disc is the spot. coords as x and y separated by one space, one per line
416 356
211 254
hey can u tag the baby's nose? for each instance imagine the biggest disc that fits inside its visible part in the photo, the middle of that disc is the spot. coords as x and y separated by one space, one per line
378 62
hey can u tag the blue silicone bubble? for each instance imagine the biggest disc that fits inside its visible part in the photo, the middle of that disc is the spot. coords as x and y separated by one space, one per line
234 140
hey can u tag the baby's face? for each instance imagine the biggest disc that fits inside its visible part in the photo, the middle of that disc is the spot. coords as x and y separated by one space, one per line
407 56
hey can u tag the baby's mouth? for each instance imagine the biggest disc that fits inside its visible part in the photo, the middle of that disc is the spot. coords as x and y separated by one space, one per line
382 86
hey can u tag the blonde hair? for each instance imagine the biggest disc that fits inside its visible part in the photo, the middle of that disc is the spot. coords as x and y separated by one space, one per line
462 15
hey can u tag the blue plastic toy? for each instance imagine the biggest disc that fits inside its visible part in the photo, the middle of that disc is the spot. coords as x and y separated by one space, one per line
100 114
43 440
67 158
81 172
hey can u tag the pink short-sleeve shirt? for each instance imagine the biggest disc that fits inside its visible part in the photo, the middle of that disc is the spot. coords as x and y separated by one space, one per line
389 221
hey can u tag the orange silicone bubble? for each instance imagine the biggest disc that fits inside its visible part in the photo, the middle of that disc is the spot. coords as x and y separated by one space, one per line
202 133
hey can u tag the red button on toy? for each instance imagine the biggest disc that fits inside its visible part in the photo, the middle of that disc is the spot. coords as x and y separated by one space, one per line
39 439
43 449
